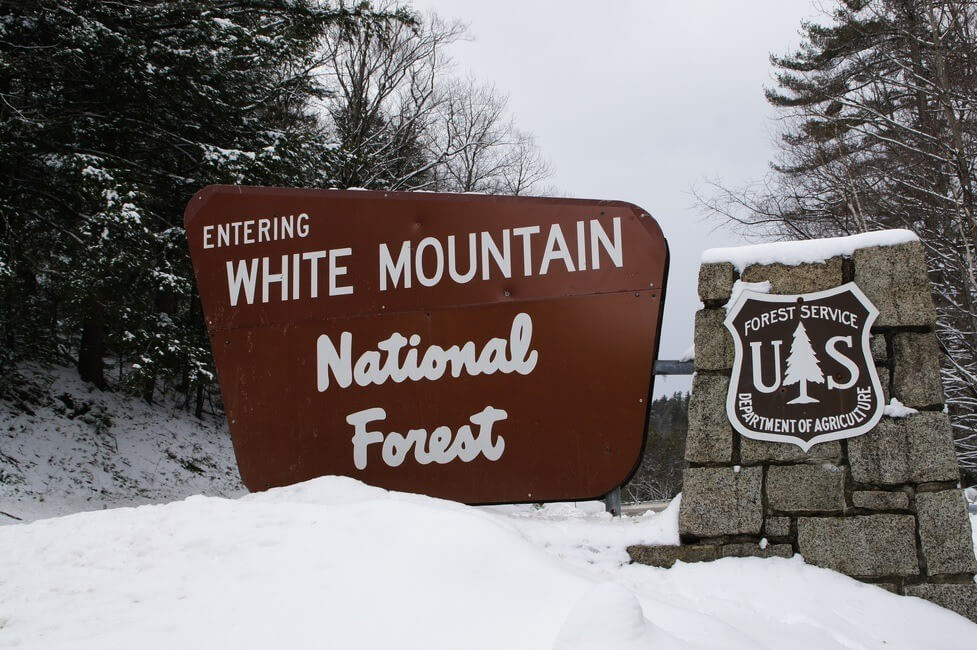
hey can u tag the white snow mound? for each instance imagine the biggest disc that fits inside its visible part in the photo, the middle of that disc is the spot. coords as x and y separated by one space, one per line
792 253
610 616
896 409
333 563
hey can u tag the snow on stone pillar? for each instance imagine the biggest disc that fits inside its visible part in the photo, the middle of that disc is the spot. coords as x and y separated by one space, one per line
884 507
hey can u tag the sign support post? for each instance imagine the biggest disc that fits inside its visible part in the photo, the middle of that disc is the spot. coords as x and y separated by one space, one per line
612 501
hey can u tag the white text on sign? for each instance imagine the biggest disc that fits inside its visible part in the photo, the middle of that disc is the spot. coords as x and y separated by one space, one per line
526 251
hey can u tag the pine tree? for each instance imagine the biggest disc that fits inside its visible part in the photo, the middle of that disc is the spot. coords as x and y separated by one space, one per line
879 107
112 115
802 366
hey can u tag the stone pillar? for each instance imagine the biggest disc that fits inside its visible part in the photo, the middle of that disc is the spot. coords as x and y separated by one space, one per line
884 507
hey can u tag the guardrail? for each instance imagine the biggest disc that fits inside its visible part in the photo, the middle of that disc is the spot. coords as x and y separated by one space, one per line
670 367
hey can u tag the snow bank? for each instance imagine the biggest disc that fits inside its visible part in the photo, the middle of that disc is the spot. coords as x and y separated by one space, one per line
798 252
334 563
586 535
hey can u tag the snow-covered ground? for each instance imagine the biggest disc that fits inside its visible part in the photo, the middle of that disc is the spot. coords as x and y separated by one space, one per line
79 448
335 563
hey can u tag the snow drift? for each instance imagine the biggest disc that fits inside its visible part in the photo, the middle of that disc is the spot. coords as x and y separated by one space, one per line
333 563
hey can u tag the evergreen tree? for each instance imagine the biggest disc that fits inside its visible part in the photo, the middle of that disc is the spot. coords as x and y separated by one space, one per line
111 116
880 131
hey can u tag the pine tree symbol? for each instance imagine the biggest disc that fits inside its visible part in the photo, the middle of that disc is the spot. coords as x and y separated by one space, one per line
802 366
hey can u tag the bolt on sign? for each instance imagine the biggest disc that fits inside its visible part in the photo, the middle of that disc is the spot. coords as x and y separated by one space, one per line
478 348
803 370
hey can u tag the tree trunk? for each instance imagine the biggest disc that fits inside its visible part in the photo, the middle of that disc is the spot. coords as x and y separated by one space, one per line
198 411
92 349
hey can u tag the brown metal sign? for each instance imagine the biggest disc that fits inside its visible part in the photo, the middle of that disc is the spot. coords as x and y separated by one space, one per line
478 348
803 370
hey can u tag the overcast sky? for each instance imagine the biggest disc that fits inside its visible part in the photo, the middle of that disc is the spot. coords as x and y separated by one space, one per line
640 101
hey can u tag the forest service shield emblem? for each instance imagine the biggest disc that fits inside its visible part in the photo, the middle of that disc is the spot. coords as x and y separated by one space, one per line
803 369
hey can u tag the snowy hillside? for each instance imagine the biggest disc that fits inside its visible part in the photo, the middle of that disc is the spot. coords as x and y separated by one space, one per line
66 447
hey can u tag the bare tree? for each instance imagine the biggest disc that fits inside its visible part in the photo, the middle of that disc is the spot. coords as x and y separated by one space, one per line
401 122
472 123
385 80
525 168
